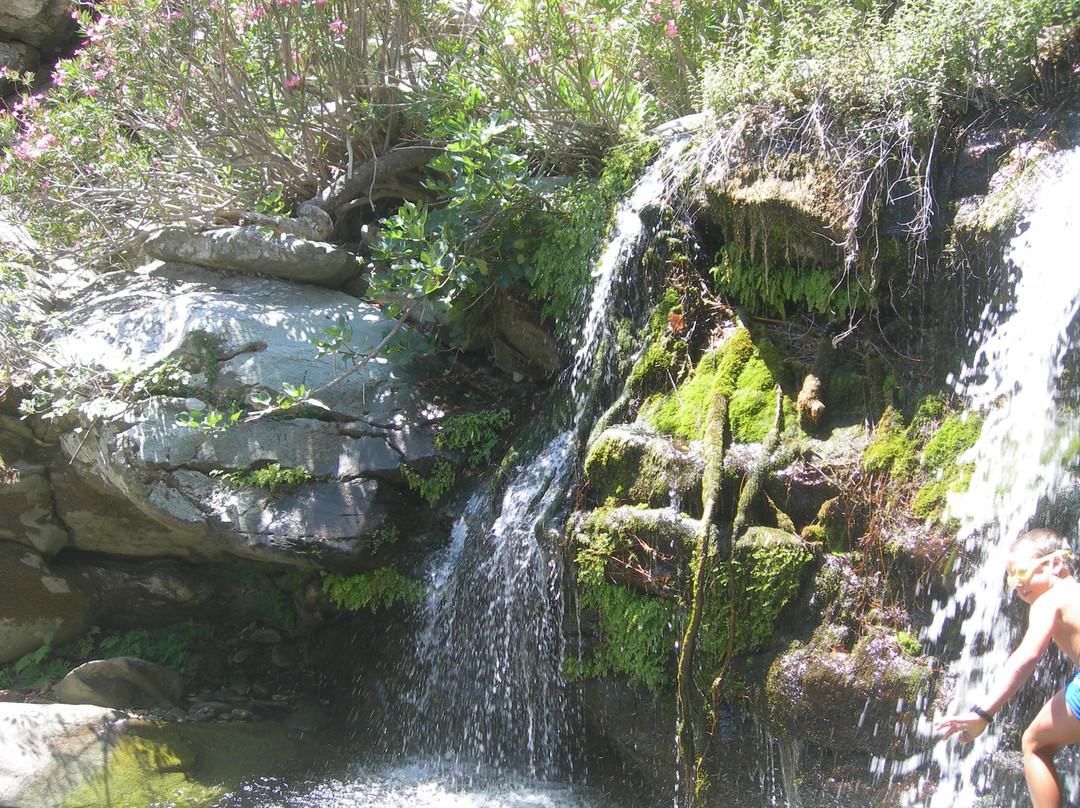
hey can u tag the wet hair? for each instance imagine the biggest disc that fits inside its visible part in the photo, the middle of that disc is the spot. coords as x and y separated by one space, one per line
1043 542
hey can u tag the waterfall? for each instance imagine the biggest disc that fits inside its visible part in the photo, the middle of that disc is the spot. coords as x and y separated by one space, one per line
488 687
1019 462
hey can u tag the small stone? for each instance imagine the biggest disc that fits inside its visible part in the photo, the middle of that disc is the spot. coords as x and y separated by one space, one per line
284 656
265 635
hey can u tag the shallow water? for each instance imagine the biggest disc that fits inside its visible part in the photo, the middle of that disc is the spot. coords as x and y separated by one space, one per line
423 785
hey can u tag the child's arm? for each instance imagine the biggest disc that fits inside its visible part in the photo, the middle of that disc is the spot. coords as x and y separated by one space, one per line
1016 671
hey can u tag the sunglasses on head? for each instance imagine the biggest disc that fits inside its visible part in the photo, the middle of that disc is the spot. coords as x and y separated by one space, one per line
1022 573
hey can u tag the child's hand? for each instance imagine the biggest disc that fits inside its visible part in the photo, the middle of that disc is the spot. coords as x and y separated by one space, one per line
967 727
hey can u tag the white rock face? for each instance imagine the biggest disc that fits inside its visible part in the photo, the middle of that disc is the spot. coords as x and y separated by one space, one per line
140 483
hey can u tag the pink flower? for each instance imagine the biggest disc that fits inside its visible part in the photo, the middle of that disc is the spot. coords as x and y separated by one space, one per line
594 83
32 151
339 27
215 5
671 29
76 141
292 82
535 57
100 74
657 17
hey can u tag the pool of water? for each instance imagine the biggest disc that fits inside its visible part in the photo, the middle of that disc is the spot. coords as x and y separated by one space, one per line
424 785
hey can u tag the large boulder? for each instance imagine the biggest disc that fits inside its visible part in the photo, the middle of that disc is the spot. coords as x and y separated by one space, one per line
121 682
81 756
130 478
44 24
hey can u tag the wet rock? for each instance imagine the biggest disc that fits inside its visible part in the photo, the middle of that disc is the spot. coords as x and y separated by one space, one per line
635 466
307 718
121 682
38 602
812 691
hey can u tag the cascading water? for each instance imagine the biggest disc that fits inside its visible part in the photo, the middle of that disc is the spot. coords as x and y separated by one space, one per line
489 685
1019 462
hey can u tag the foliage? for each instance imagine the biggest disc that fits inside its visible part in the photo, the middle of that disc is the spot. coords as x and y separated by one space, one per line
473 433
636 630
268 591
272 477
495 227
868 91
373 590
170 647
433 486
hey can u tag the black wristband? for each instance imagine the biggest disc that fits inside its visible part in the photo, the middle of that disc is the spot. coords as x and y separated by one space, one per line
985 716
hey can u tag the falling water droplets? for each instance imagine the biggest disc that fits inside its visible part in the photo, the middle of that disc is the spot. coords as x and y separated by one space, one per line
1018 461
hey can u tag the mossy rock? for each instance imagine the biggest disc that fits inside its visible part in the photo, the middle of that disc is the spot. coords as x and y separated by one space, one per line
769 564
631 466
659 538
835 699
744 371
77 756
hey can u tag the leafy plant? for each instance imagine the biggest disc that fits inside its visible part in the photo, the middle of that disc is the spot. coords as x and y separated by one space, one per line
473 433
271 478
373 590
432 487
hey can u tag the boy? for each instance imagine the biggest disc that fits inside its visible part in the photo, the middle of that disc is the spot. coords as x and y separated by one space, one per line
1040 570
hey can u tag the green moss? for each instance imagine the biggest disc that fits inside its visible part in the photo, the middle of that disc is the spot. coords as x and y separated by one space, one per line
892 451
657 367
956 435
745 372
630 467
143 769
764 574
908 644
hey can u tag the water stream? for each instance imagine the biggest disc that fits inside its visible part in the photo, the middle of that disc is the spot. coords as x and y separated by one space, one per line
1019 463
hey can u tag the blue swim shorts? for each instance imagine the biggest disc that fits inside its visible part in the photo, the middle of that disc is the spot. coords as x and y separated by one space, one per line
1072 696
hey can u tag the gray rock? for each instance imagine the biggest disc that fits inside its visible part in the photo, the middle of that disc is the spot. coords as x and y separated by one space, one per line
45 24
38 602
121 682
256 250
139 484
18 57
